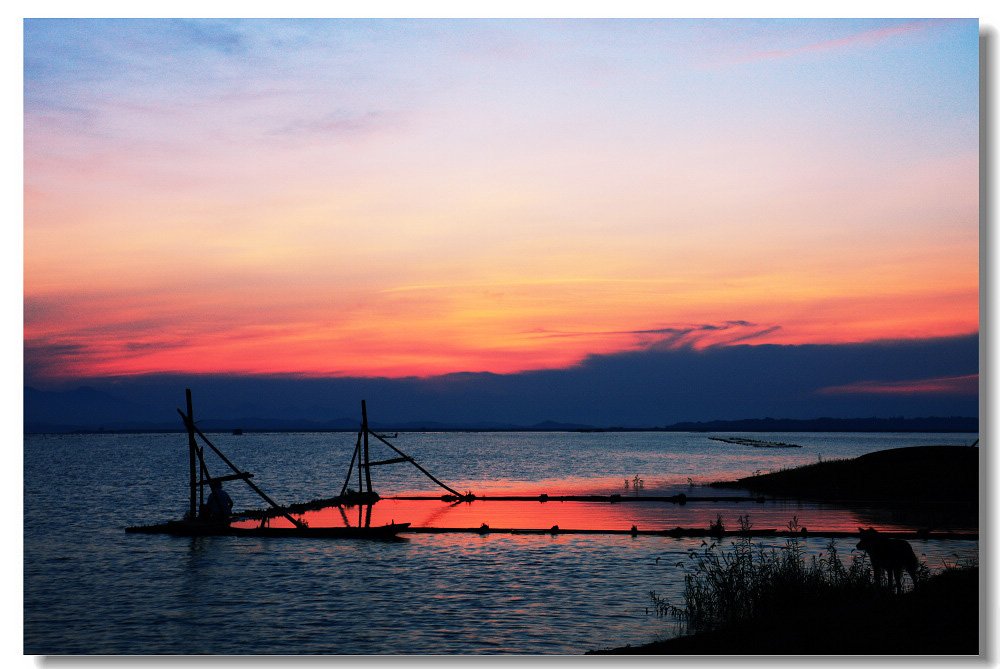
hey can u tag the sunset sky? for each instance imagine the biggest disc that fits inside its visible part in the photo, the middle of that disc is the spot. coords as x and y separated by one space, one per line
414 198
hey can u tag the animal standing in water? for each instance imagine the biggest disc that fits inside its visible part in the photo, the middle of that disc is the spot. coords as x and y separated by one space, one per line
889 555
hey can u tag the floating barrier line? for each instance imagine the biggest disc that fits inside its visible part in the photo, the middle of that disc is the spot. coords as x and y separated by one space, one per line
675 499
681 532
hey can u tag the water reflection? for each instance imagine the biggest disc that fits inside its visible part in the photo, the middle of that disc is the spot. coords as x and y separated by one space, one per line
620 516
89 588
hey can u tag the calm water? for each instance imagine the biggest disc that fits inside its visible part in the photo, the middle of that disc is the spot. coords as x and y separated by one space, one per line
89 588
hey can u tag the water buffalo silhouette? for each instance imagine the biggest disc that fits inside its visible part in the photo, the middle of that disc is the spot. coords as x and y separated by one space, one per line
889 555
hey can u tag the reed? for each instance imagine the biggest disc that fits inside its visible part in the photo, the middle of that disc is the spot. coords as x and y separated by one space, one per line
750 581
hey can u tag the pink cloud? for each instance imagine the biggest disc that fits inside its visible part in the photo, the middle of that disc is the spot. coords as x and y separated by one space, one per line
842 42
953 385
667 338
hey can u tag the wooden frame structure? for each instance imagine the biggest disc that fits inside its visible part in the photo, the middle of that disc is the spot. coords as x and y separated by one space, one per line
194 525
200 477
365 464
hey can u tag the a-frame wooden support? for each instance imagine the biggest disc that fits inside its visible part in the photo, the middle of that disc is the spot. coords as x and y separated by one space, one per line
197 455
365 464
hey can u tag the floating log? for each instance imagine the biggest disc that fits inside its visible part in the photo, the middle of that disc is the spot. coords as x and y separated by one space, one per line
348 499
182 528
186 528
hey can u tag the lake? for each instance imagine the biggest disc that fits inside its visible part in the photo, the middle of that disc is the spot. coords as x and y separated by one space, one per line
90 588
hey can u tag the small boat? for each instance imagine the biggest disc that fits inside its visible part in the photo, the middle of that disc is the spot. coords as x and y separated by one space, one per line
198 522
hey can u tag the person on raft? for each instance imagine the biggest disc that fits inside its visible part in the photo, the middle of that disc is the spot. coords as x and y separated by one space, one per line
219 504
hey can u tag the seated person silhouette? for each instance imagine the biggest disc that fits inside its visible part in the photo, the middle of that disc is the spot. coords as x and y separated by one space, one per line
219 504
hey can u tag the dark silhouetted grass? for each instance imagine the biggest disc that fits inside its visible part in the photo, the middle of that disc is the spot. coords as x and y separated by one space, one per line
749 599
750 581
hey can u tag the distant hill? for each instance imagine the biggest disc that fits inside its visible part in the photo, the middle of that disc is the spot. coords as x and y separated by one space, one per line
87 410
896 424
915 474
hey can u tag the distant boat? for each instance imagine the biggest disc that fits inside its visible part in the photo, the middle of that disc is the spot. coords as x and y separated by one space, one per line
237 431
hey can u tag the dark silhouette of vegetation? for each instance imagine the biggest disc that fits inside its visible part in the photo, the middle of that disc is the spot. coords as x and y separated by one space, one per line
757 600
751 599
750 581
918 474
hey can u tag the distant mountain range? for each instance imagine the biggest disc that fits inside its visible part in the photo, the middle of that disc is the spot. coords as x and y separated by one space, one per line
894 424
89 410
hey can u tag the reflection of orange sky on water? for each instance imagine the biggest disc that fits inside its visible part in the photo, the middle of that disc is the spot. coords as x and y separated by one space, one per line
646 516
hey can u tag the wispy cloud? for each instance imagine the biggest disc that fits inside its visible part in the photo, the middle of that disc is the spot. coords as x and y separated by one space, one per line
952 385
216 36
340 123
870 36
667 338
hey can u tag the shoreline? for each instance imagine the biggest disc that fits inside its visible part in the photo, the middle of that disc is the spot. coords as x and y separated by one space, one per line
928 475
940 617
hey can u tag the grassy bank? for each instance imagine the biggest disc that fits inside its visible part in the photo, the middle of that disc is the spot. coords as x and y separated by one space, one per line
941 617
747 600
920 474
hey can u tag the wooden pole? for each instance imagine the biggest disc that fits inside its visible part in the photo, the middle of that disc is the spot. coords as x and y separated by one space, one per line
364 423
278 507
192 452
427 473
350 469
203 476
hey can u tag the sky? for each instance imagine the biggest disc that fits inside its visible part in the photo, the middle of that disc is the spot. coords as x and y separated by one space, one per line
416 198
